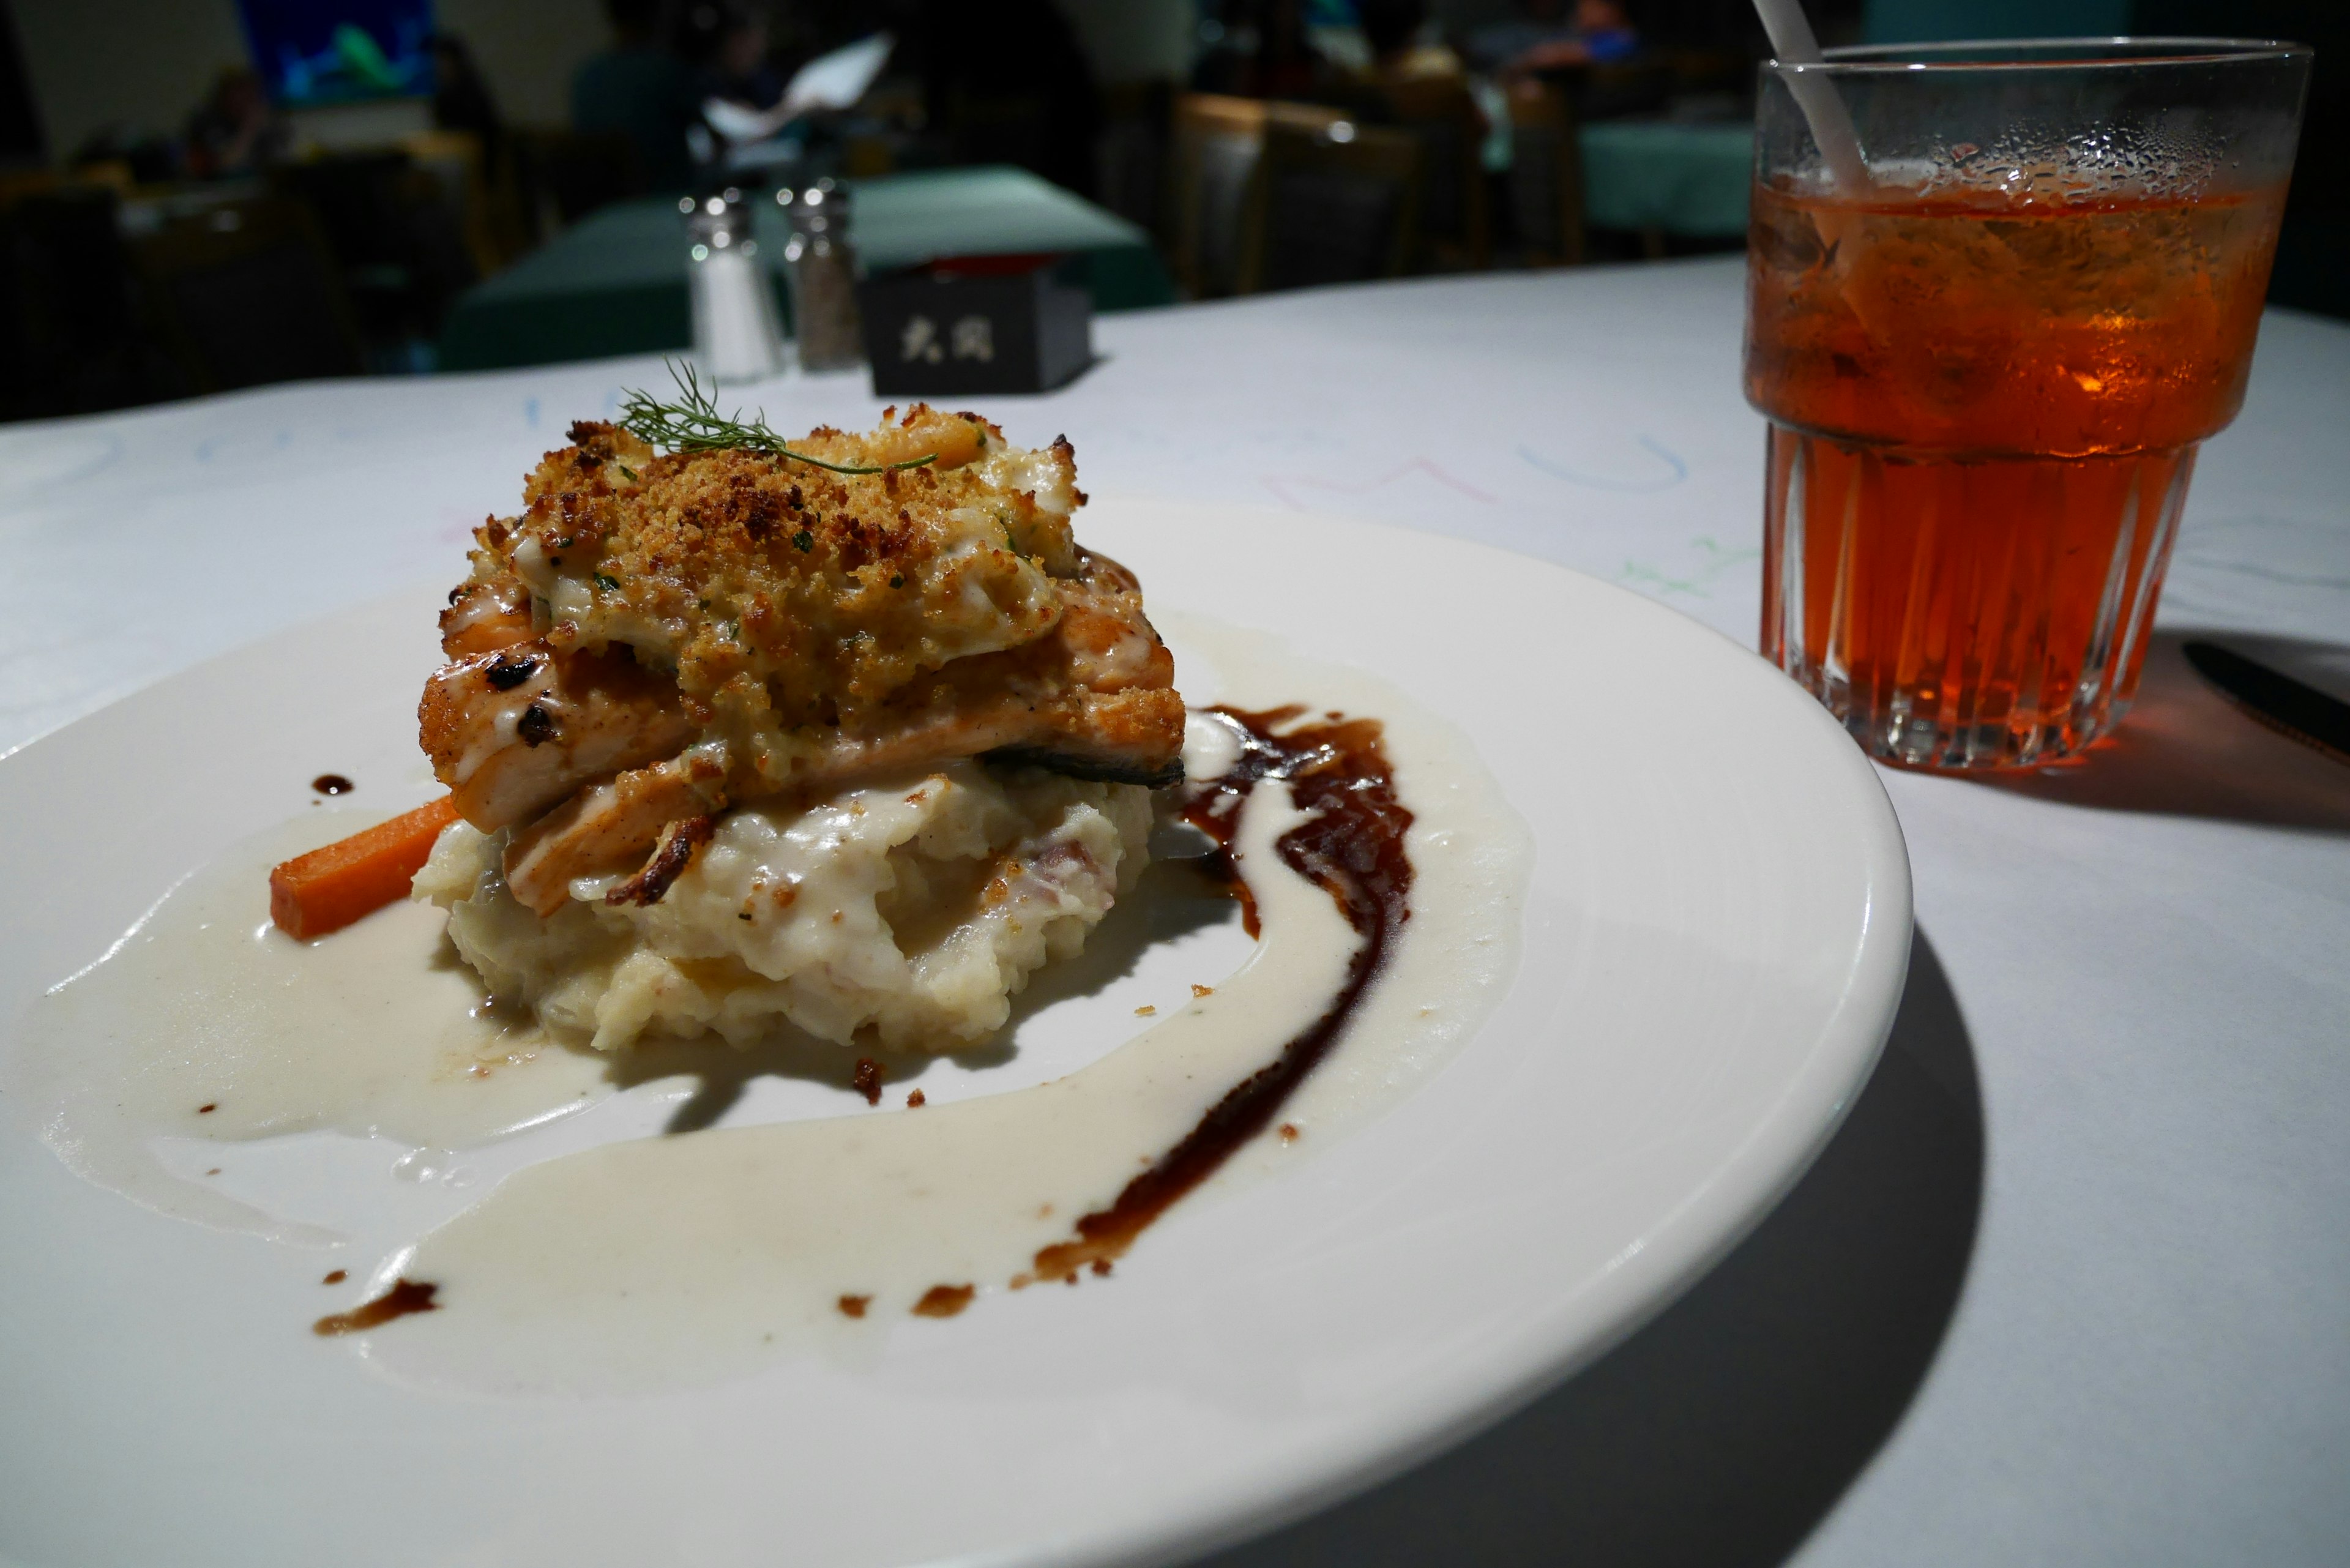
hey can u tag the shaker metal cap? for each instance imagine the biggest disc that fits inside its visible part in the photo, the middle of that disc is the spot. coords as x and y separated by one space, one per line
822 204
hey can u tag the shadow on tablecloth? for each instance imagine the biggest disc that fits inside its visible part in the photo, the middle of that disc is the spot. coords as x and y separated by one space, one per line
1723 1431
2186 750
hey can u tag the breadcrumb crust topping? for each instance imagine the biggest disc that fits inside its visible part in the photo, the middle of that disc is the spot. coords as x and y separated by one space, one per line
778 592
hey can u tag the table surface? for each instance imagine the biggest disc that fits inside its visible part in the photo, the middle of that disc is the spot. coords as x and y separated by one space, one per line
621 271
2073 1283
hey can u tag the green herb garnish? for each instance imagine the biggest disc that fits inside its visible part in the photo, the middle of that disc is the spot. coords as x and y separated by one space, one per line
610 585
692 423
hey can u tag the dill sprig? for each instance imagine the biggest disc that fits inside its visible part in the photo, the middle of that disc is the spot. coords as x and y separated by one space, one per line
692 423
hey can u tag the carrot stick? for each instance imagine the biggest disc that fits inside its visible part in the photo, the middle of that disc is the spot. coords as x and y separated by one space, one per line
328 889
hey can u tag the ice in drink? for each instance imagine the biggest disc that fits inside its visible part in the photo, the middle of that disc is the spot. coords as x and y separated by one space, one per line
1984 406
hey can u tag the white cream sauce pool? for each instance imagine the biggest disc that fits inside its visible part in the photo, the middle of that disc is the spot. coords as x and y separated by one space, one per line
594 1254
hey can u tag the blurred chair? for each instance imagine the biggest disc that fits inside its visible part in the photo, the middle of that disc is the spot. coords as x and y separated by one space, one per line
248 294
1130 160
400 247
1335 205
568 174
1545 179
1441 114
477 193
868 157
32 179
74 337
1217 145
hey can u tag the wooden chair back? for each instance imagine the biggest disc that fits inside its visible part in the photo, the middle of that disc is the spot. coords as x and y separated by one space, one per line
1456 229
1338 204
1217 144
1545 182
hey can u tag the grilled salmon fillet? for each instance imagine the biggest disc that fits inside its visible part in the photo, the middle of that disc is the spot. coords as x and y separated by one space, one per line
656 637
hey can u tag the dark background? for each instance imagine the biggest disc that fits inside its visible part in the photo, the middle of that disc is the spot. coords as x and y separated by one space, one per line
148 252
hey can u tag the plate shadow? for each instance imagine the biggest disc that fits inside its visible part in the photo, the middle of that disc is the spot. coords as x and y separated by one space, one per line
2187 751
1723 1431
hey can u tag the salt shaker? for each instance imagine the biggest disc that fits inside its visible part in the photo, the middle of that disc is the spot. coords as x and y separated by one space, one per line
735 335
820 259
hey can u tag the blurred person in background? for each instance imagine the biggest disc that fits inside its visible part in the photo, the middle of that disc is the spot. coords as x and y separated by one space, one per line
640 90
731 50
1005 83
1395 31
236 130
1264 52
1550 35
462 99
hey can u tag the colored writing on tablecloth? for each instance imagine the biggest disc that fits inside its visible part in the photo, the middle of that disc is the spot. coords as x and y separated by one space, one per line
1672 470
1284 485
1714 559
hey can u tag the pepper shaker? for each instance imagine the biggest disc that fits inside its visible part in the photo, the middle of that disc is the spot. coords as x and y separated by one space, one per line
735 334
821 260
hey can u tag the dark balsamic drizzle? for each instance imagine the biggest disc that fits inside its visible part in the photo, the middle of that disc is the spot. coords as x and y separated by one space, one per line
866 1080
944 1300
332 783
1351 845
405 1296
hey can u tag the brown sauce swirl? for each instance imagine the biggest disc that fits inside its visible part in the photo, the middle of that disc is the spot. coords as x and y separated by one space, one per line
405 1296
1352 846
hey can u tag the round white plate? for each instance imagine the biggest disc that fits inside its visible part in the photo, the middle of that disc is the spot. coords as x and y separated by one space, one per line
1716 940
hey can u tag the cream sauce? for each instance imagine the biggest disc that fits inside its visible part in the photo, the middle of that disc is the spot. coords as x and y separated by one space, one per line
574 1275
207 1022
661 1261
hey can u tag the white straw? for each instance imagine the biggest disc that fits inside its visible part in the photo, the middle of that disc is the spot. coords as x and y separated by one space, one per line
1794 42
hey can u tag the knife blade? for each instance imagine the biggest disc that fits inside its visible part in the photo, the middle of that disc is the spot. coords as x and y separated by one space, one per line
2298 711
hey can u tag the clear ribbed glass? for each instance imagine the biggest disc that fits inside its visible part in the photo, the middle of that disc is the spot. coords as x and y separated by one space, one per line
1988 370
1966 613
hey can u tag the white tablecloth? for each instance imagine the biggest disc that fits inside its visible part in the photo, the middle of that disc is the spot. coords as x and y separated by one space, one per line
2073 1284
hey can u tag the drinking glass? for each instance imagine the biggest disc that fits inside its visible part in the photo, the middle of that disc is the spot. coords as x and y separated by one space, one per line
1988 372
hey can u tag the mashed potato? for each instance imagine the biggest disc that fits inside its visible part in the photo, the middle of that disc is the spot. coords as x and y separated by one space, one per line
915 908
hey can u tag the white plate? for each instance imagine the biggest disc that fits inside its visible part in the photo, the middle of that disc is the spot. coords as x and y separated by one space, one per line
1716 941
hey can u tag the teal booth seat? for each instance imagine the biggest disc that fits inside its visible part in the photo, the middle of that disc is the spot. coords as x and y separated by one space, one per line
1947 21
1665 177
616 281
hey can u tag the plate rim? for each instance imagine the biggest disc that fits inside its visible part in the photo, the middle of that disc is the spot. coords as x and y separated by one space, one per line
1772 1159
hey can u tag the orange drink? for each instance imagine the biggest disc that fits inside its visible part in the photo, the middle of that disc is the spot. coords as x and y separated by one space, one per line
1986 377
